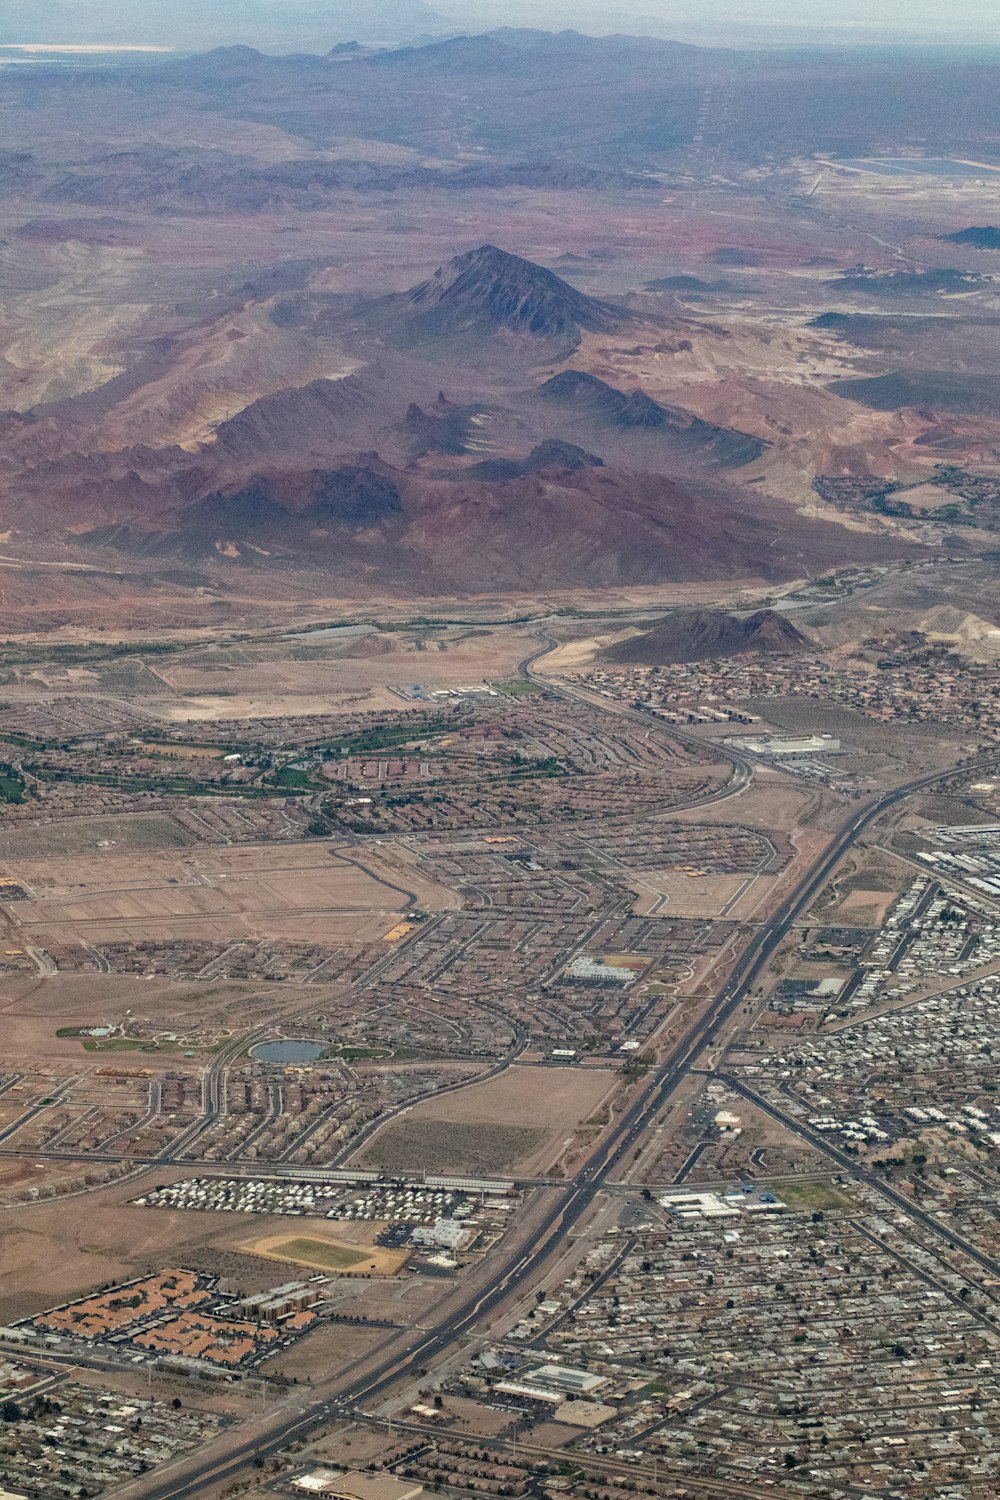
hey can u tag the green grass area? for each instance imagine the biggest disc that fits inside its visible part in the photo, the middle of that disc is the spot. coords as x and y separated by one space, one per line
518 687
136 1044
27 741
355 1054
391 737
292 779
321 1253
810 1196
11 787
126 1044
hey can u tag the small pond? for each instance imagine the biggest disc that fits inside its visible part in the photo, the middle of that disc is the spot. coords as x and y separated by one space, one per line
288 1051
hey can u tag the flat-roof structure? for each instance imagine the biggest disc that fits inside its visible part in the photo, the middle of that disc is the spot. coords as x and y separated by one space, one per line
357 1486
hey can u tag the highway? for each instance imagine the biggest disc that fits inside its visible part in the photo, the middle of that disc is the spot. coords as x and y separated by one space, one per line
525 1263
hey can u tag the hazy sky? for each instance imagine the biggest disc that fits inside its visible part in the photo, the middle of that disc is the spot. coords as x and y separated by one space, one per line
961 20
313 24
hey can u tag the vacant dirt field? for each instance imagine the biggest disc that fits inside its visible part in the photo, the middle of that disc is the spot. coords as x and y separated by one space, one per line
51 1252
33 1009
302 892
367 679
674 894
325 1348
868 907
74 835
520 1121
863 888
445 1145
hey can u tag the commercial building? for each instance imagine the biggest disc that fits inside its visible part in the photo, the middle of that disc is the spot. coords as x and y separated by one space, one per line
785 747
357 1486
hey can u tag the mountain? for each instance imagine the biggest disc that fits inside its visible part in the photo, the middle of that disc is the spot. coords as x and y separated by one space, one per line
366 524
935 282
301 420
446 428
706 634
964 392
595 398
980 237
354 496
550 454
595 401
489 292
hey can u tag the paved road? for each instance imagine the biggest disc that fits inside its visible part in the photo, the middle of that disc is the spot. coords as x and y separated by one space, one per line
849 1165
526 1262
743 766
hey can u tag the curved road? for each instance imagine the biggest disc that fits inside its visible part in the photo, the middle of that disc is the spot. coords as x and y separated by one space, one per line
524 1262
743 766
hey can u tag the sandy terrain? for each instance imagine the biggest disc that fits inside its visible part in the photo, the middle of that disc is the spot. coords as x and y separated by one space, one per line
301 892
672 893
73 835
325 1348
34 1008
869 906
50 1253
369 674
521 1121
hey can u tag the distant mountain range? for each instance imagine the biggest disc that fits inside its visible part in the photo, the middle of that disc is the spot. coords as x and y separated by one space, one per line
448 317
621 102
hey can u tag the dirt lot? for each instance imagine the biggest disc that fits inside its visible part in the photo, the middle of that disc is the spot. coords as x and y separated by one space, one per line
862 889
74 835
34 1009
325 1349
867 907
51 1252
674 894
302 892
773 800
520 1121
366 674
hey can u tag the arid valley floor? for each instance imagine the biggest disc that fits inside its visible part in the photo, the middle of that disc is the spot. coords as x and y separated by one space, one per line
521 979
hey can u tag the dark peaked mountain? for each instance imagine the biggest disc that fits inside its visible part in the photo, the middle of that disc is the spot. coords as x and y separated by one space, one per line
355 496
602 402
490 291
701 634
297 420
550 454
979 236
